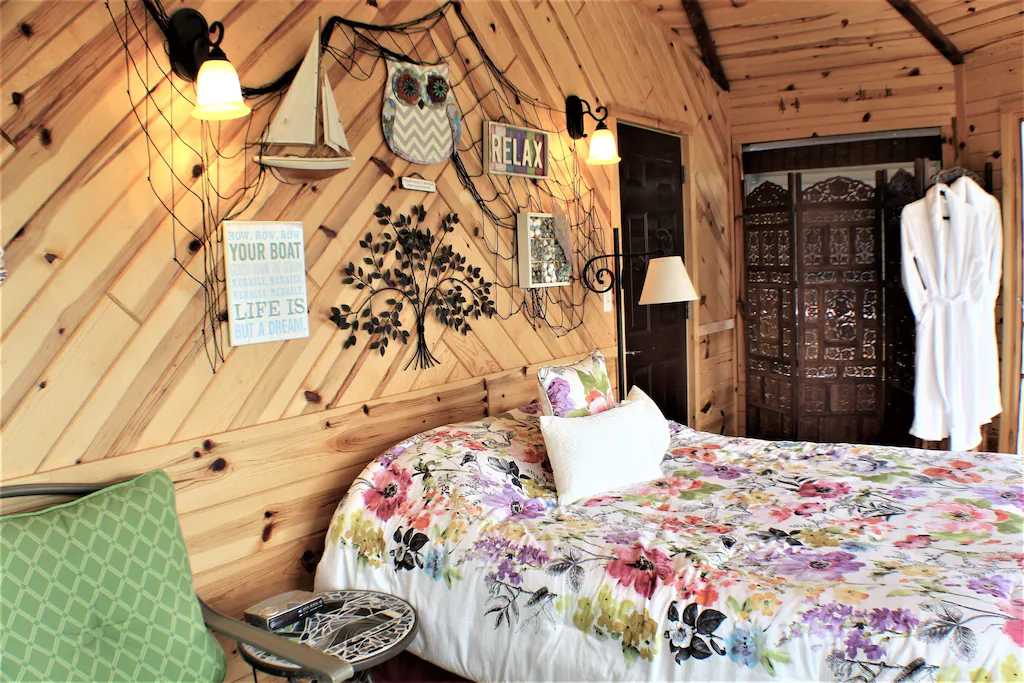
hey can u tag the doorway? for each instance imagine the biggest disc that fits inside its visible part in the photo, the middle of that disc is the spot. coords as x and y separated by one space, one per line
651 200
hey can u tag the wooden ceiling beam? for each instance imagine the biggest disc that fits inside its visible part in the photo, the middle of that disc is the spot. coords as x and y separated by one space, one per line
929 30
709 53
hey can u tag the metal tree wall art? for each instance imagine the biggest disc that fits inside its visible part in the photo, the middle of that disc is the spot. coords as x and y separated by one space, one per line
425 274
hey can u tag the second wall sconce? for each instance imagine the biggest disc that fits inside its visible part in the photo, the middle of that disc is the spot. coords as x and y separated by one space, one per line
602 143
196 57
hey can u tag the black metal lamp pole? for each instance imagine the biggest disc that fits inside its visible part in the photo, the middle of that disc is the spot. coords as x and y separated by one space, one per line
594 279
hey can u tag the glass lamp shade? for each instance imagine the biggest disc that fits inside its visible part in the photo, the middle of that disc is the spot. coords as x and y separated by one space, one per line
218 92
667 282
602 147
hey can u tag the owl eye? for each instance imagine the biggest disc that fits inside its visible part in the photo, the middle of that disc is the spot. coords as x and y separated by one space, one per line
437 89
407 87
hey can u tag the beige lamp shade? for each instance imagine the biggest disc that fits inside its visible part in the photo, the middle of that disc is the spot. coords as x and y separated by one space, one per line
603 150
218 92
667 282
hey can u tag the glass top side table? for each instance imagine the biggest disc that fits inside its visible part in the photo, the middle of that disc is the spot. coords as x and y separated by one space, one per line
365 628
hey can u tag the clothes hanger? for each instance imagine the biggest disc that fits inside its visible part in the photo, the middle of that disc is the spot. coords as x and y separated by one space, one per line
947 176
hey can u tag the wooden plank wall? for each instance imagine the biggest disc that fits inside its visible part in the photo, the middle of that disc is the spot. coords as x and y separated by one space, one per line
994 86
103 369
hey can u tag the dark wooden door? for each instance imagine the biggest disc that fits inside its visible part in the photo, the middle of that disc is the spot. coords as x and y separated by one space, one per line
651 197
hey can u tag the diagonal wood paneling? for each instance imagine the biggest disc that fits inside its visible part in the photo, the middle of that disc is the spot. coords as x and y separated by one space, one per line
102 362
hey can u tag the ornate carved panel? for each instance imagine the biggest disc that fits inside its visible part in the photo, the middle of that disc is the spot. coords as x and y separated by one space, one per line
771 319
817 339
839 271
898 334
839 189
830 333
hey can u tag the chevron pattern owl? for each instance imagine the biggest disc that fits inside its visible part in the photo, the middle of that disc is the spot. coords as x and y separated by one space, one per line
420 116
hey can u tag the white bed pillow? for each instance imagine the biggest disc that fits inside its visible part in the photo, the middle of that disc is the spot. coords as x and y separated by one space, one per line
603 452
661 435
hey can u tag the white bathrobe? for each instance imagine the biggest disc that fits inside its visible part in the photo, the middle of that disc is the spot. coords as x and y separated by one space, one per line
945 274
990 223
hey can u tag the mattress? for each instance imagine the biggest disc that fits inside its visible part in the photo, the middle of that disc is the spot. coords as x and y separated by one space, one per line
750 560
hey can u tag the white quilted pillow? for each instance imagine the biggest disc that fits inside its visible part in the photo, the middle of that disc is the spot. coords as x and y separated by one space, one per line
660 434
603 452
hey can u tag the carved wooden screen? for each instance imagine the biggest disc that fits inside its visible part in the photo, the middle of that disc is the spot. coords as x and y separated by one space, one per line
899 325
839 322
771 288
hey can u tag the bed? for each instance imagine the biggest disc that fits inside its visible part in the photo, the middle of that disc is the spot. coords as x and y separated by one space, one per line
750 560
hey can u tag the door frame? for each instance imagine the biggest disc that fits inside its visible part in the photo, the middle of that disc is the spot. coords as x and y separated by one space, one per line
630 117
1010 116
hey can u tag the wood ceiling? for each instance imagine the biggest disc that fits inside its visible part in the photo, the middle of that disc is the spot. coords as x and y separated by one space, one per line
766 38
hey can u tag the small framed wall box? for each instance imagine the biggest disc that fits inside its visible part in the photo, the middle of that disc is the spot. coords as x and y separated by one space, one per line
515 151
543 252
266 281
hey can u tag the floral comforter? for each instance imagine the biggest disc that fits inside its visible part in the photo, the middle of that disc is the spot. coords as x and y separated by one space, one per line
750 560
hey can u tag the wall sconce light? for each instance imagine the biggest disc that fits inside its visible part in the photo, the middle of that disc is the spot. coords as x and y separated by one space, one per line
602 145
666 282
196 57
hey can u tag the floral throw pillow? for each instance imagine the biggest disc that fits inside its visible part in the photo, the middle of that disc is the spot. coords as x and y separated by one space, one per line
576 390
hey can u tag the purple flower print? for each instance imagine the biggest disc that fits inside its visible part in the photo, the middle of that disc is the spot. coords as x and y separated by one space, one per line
814 567
898 621
997 586
1014 497
827 621
856 640
530 408
558 395
903 494
507 572
531 555
510 504
865 464
622 537
488 549
709 469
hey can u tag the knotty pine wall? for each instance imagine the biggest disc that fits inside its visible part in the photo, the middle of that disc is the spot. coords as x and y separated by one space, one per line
104 374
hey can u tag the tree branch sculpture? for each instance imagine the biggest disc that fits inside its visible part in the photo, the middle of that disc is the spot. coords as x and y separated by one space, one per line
425 273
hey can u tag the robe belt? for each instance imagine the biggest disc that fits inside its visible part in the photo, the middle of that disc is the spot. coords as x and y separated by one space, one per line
953 356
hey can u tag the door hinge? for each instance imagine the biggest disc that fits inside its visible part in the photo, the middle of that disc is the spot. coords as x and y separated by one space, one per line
682 175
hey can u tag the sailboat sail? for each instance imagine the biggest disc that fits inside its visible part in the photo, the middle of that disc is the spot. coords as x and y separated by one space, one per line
334 132
294 123
297 122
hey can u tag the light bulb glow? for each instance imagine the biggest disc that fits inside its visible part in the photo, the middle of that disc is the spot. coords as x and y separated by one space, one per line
218 92
602 147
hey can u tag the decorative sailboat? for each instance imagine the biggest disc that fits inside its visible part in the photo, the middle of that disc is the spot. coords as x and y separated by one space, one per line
308 119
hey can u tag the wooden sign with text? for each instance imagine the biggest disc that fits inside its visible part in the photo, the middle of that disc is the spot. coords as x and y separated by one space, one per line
515 151
266 281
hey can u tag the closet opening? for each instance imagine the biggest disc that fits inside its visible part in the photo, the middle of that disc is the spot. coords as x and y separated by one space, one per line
828 331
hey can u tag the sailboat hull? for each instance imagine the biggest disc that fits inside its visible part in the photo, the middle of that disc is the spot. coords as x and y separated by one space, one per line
297 163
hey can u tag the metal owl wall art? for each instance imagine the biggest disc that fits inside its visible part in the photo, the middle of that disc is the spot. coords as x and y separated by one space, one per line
420 116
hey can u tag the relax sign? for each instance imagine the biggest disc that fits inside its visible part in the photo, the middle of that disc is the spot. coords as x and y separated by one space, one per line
266 278
516 151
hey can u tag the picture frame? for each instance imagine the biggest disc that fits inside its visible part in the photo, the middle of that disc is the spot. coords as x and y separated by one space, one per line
515 150
545 259
265 277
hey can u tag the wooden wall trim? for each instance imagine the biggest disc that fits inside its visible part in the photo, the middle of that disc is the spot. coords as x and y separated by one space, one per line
1013 258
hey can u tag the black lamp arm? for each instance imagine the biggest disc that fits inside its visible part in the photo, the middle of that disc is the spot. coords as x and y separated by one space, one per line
594 280
594 113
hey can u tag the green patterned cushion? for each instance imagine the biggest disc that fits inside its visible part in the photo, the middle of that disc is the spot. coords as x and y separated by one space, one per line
100 589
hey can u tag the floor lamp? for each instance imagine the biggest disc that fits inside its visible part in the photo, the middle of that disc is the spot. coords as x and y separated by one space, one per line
666 282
